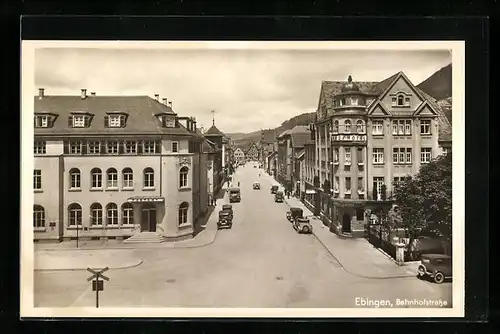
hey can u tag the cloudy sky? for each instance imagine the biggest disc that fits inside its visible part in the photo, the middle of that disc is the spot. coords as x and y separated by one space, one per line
248 89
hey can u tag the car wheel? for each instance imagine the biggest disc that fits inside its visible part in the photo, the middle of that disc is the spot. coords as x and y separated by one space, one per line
305 229
439 278
420 272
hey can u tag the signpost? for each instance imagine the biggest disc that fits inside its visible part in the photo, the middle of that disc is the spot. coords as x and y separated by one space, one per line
97 285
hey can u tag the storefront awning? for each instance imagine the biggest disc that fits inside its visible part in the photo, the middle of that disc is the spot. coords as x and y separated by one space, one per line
145 199
310 191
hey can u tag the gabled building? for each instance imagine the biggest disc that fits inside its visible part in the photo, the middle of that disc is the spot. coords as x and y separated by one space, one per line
239 155
368 136
115 167
215 136
252 154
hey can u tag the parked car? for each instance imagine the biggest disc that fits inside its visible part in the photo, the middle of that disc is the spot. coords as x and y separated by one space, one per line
228 208
225 219
234 195
279 197
438 267
256 186
425 245
274 189
294 213
302 225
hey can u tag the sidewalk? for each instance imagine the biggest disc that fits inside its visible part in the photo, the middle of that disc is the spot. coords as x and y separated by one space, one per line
357 256
203 238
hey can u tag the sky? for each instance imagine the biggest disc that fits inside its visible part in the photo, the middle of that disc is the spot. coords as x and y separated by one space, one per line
248 89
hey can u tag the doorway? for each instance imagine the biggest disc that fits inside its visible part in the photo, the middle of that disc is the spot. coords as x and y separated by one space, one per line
148 223
346 223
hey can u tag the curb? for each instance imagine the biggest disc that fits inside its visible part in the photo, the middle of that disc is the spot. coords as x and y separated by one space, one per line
80 269
345 269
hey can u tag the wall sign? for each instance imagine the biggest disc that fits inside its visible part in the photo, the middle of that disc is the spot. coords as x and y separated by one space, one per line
350 138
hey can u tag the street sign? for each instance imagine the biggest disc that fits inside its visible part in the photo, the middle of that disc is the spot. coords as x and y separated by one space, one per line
97 285
97 273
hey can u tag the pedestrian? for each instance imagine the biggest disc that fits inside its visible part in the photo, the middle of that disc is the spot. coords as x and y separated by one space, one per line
238 184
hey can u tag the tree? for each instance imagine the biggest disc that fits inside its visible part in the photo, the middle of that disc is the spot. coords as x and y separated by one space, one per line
425 200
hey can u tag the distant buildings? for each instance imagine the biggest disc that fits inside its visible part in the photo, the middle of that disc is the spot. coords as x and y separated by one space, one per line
252 153
239 155
114 167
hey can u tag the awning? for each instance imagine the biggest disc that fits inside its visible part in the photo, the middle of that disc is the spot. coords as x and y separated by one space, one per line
310 191
145 199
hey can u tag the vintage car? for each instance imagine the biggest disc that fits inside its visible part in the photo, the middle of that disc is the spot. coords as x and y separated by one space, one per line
256 186
225 219
294 213
234 195
228 208
279 197
435 266
274 189
302 225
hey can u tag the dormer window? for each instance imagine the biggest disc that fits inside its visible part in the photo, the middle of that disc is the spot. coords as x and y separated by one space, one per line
167 120
116 120
42 121
401 100
79 120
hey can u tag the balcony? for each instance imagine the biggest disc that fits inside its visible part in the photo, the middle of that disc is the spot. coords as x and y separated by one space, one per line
361 163
347 163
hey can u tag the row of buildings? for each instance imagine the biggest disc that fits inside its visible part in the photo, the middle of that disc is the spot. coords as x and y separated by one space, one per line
118 166
367 136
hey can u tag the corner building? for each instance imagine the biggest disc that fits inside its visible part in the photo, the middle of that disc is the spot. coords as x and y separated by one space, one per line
114 167
368 136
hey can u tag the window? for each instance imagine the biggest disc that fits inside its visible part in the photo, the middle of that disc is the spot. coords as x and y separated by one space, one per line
127 214
94 147
446 150
397 181
347 156
96 176
342 102
183 213
78 121
75 147
39 147
112 147
336 127
183 177
378 156
408 155
130 147
425 155
407 127
337 184
395 155
401 127
425 127
378 128
347 184
149 178
38 216
74 178
149 146
41 121
96 214
112 178
336 157
111 214
377 184
115 121
400 100
74 214
407 101
37 179
347 126
354 101
359 157
401 155
394 127
128 178
175 147
360 127
361 187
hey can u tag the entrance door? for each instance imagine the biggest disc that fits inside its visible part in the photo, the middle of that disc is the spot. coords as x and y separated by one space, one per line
346 223
148 223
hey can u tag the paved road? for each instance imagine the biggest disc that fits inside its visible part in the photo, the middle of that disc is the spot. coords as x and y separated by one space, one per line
260 262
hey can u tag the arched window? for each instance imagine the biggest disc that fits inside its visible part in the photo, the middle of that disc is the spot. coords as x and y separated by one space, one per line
74 178
111 214
74 214
183 213
127 214
347 126
112 178
149 178
96 176
38 216
360 126
400 100
128 178
96 214
336 127
183 177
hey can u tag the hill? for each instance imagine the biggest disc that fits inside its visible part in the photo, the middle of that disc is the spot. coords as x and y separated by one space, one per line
439 84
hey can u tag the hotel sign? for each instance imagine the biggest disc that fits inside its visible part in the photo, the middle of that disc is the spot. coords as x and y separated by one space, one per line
350 138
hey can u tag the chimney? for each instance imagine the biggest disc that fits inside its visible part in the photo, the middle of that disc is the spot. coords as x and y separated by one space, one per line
165 102
194 124
93 93
170 104
157 97
41 93
84 94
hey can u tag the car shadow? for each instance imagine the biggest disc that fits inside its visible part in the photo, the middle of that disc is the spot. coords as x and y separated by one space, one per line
201 223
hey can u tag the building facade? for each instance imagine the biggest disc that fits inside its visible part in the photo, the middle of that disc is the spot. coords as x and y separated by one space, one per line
115 166
253 153
368 137
216 139
239 155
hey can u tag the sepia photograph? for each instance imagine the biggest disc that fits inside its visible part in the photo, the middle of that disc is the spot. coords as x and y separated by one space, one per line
243 179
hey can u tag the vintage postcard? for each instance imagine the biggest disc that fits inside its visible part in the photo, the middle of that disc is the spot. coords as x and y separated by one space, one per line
243 179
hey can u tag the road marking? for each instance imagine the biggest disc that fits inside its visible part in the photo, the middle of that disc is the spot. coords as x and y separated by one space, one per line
77 300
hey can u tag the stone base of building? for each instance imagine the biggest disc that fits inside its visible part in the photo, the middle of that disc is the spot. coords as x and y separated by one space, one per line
49 240
179 237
